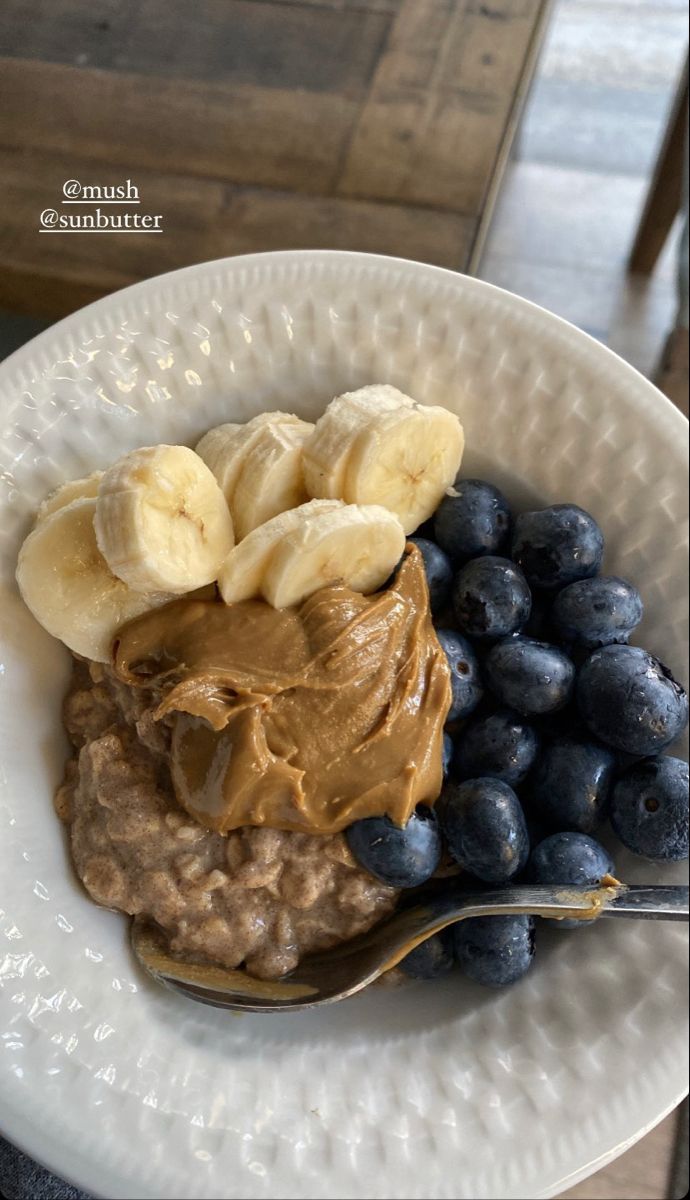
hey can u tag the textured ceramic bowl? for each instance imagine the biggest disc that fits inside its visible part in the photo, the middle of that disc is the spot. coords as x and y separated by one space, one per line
436 1090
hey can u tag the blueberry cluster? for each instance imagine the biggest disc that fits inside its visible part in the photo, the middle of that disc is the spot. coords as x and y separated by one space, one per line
556 725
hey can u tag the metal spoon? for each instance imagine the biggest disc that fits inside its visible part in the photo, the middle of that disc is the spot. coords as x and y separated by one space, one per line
347 968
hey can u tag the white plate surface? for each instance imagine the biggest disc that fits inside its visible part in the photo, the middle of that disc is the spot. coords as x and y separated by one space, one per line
435 1091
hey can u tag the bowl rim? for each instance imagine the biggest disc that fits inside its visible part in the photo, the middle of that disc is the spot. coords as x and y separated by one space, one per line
211 266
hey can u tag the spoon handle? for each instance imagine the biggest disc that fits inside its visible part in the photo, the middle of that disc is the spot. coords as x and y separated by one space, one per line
653 902
656 902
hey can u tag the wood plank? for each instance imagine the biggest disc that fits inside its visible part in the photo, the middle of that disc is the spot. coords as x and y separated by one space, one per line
264 136
430 130
53 274
77 32
428 135
254 42
387 6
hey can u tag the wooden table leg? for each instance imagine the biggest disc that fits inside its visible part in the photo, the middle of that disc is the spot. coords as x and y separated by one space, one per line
678 1178
664 197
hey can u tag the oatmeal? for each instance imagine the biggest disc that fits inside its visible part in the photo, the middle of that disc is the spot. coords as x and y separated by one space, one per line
258 897
218 759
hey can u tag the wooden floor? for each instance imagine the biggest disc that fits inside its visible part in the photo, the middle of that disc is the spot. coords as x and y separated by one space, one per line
569 203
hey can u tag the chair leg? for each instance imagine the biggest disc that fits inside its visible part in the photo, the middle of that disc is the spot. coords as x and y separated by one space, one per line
671 378
664 197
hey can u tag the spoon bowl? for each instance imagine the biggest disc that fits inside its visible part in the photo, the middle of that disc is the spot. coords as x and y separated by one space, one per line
344 970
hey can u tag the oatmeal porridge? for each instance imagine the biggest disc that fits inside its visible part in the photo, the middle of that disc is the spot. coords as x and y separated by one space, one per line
352 700
262 897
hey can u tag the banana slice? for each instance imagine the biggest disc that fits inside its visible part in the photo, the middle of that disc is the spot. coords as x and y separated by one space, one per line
405 460
242 574
74 489
358 545
325 455
162 523
224 448
65 581
271 479
217 444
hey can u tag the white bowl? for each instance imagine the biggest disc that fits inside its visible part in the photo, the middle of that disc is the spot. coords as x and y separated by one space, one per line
436 1090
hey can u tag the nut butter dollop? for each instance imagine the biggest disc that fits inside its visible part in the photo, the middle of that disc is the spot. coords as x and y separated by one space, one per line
301 719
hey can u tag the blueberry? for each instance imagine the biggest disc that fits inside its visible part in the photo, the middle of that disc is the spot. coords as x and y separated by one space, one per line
570 858
431 958
596 612
485 829
630 700
571 784
501 745
557 545
439 572
464 673
649 809
472 519
531 677
447 753
494 951
402 857
491 598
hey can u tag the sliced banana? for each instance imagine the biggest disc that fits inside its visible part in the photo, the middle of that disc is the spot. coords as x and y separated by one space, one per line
162 522
242 574
217 445
75 489
358 545
65 581
326 453
224 448
271 478
405 460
